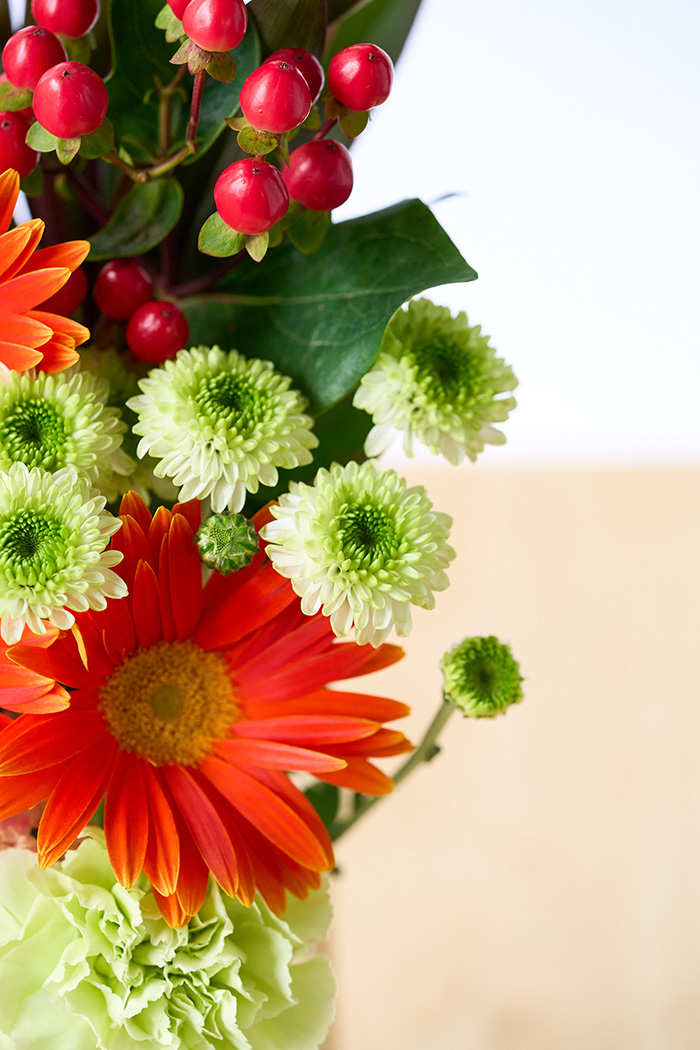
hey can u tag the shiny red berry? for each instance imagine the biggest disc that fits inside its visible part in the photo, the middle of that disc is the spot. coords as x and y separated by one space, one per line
361 76
67 299
275 98
70 100
72 18
178 7
251 196
156 331
121 287
307 64
29 53
14 151
319 175
215 25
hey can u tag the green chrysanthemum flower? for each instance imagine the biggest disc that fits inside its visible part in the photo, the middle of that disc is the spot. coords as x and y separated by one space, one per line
227 542
221 424
481 677
62 420
88 965
362 547
53 534
436 380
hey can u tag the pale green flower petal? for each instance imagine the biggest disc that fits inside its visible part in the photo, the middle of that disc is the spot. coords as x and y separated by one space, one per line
437 381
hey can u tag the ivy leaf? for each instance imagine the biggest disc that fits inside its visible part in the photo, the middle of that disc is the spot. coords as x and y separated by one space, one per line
321 317
290 23
140 221
385 22
218 239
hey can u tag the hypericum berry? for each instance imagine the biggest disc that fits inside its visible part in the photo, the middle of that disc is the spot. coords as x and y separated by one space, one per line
307 64
67 299
251 196
14 151
156 331
215 25
29 53
121 287
178 7
319 175
72 18
70 100
361 76
275 97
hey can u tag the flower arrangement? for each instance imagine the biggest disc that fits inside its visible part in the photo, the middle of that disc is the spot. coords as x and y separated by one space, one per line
198 372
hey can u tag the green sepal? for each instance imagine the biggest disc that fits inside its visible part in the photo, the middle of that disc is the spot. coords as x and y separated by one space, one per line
333 109
124 155
276 235
40 139
12 98
79 49
237 123
66 149
167 19
221 67
33 183
313 120
257 143
193 56
218 239
325 798
256 245
98 143
307 230
353 122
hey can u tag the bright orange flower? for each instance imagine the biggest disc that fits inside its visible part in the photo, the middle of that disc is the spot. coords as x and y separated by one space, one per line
29 337
189 704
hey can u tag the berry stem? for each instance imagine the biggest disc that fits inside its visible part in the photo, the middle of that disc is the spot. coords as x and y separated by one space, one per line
134 174
202 284
324 129
190 144
165 94
87 196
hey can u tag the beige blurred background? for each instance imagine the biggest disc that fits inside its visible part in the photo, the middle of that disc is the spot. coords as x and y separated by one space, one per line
537 887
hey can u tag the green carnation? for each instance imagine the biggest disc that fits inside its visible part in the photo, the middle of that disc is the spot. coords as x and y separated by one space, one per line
88 965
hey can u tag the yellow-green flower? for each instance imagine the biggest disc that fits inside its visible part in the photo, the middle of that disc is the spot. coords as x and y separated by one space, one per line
481 677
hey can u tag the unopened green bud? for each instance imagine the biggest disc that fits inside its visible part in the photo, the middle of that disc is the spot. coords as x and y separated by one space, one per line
227 542
481 677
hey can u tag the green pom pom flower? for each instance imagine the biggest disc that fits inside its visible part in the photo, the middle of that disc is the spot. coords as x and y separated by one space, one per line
88 965
361 547
62 420
227 542
481 677
53 534
436 380
221 425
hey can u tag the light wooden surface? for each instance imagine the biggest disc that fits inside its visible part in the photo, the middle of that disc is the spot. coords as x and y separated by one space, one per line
538 886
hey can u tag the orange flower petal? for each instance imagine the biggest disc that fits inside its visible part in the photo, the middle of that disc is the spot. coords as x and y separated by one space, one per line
18 358
162 861
16 246
126 820
9 192
69 254
29 289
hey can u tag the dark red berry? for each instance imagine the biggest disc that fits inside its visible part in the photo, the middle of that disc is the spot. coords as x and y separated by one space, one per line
215 25
276 98
307 64
29 53
14 151
178 7
319 175
67 299
156 331
72 18
251 196
361 76
70 100
121 287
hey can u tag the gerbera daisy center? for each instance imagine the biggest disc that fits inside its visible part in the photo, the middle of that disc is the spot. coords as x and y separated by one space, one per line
169 703
34 433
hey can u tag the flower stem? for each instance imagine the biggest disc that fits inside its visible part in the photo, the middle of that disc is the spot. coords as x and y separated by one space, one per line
165 95
426 750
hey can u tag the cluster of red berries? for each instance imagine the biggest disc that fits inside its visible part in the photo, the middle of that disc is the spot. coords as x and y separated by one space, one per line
251 195
156 329
68 98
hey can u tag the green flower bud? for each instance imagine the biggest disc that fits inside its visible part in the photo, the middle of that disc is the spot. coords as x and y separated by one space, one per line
227 542
481 677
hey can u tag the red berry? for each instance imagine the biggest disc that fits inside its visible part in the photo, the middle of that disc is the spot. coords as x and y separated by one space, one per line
14 151
251 196
361 76
156 331
178 7
307 64
72 18
70 100
319 175
215 25
275 98
121 287
67 299
29 53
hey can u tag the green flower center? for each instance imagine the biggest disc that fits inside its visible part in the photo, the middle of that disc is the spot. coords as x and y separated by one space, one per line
482 676
32 546
366 532
33 432
227 542
446 369
233 402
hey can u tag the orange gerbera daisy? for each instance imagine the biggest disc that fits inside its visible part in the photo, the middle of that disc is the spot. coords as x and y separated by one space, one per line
29 337
188 706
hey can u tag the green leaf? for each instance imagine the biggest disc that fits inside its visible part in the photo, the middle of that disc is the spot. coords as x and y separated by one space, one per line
257 246
307 230
140 221
40 139
336 8
290 23
353 122
218 239
221 67
167 19
12 98
385 22
320 318
325 799
98 143
66 149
